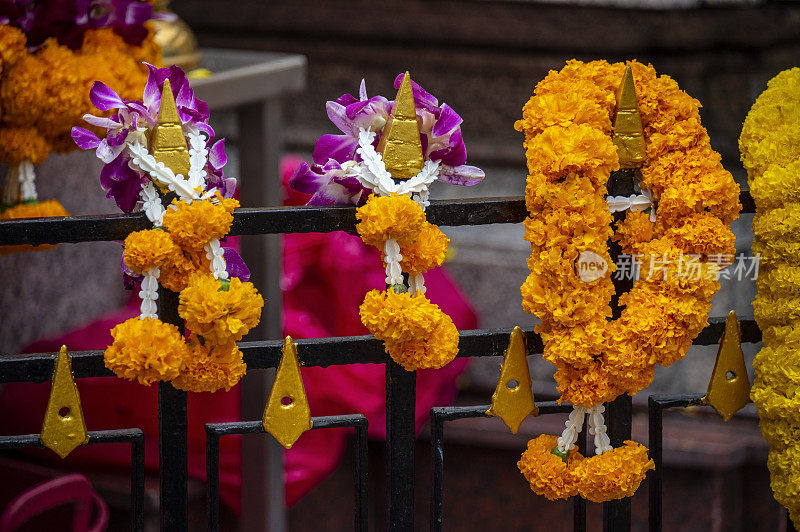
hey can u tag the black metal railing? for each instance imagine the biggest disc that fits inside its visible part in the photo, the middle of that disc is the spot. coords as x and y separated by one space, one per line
400 384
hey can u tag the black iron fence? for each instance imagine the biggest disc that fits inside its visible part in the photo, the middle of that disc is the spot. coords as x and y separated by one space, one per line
400 384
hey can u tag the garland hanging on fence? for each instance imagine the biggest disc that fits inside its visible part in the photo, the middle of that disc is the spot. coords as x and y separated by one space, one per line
770 147
146 156
47 66
679 219
395 151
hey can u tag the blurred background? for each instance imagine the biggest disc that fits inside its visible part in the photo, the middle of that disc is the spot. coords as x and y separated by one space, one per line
483 58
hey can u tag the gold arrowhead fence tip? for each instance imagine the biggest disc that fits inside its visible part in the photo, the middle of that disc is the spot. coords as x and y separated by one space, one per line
167 144
400 143
64 428
729 387
512 400
287 414
628 134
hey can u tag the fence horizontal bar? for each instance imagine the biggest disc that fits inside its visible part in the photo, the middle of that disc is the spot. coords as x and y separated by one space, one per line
679 400
267 220
252 427
95 436
451 413
38 367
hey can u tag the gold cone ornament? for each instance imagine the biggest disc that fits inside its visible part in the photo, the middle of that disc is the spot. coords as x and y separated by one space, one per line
287 414
64 428
628 136
729 387
167 142
176 40
512 400
400 143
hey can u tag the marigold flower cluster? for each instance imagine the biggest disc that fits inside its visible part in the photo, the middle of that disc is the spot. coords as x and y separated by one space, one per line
615 474
40 209
567 126
147 350
218 313
46 92
771 153
416 333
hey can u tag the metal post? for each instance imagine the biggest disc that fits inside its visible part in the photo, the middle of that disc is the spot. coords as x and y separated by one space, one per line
656 450
400 434
260 146
172 451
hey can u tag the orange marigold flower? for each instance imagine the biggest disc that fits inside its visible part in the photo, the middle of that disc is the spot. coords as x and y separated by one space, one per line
399 317
210 368
148 249
12 46
615 474
176 271
547 473
18 144
384 217
426 251
147 350
218 314
434 351
194 225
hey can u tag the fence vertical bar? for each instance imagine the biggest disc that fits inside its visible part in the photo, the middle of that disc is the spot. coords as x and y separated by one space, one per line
212 479
172 451
579 519
137 482
362 479
400 432
655 421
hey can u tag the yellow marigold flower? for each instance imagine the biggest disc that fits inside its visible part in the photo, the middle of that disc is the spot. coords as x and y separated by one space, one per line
426 251
615 474
399 317
194 225
635 229
220 315
210 368
176 271
546 472
40 209
384 217
784 468
147 350
433 351
12 45
18 144
148 249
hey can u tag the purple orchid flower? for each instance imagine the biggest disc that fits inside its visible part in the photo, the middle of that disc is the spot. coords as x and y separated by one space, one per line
440 135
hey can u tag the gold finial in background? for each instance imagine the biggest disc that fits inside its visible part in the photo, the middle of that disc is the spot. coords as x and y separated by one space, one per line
512 400
729 387
176 40
400 144
628 134
63 428
287 414
167 142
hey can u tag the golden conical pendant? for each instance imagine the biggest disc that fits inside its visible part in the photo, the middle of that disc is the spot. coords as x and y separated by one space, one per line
63 428
628 136
167 142
400 143
512 400
729 387
287 414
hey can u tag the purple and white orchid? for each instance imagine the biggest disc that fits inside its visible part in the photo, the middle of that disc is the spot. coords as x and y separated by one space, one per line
130 121
440 134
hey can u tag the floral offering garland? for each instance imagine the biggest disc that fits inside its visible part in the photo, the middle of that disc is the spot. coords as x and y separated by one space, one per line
182 252
50 53
691 201
771 154
360 167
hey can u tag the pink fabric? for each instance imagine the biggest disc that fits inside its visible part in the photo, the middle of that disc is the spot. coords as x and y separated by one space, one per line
325 277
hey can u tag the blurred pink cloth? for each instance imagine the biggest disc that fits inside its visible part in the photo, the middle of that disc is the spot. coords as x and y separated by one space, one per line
325 277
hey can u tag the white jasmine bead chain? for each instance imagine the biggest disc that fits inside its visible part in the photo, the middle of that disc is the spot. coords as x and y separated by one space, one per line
215 254
27 181
574 425
392 257
151 204
597 428
149 294
417 284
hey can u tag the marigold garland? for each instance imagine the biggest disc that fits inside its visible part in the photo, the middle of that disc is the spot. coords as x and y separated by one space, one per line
210 368
194 225
770 149
426 251
147 350
385 217
148 249
567 126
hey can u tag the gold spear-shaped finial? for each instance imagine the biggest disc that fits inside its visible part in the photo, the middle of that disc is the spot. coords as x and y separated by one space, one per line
63 428
287 414
400 144
512 400
729 387
168 144
628 134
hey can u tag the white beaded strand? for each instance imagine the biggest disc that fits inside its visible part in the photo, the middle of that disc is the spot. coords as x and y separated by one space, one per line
597 428
574 425
149 294
215 254
392 257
